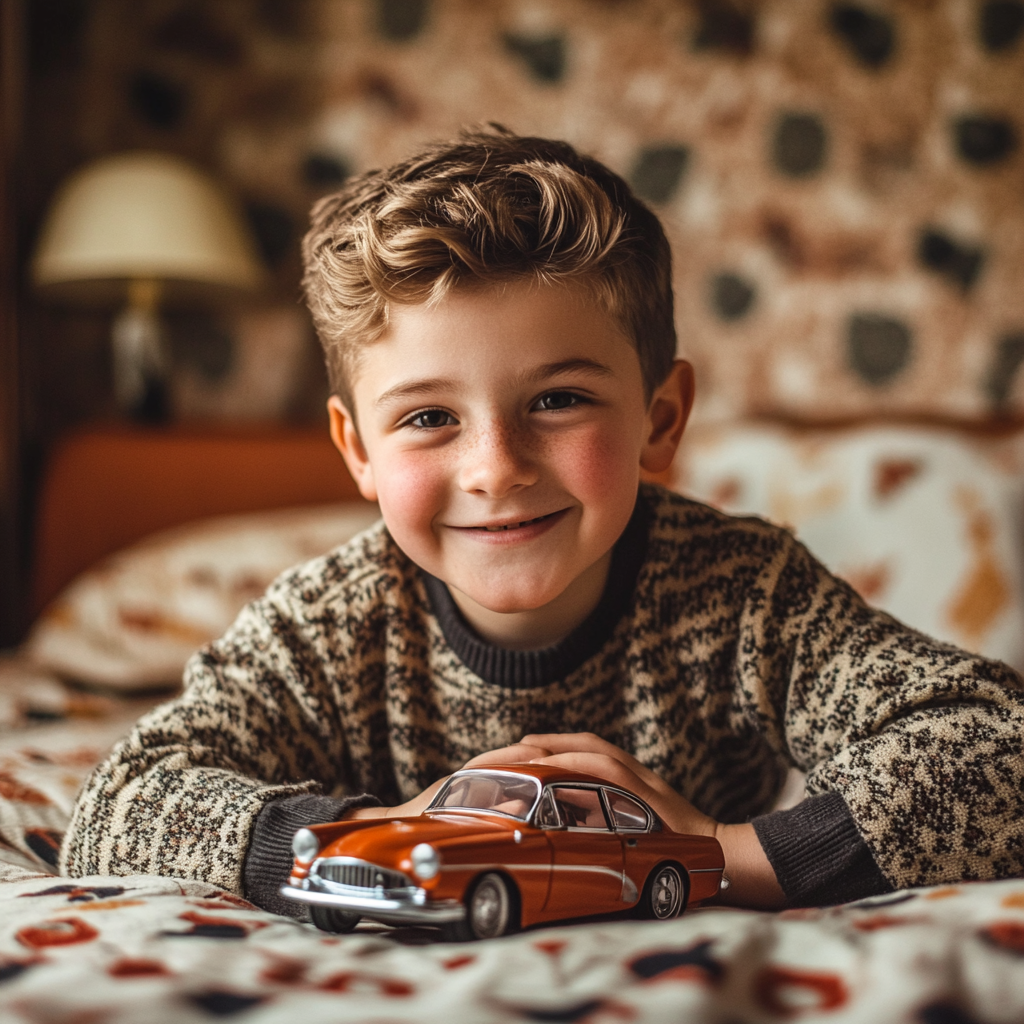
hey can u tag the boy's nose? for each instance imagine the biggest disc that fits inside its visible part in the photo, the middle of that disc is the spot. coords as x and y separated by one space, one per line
496 461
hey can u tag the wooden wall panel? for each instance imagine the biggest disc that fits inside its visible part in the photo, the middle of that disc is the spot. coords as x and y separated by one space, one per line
12 574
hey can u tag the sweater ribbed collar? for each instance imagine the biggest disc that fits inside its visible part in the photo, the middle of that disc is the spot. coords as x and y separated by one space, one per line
525 669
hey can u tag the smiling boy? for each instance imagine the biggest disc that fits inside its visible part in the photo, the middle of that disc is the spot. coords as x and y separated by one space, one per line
497 318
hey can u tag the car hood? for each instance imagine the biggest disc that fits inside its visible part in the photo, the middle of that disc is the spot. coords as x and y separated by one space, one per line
389 842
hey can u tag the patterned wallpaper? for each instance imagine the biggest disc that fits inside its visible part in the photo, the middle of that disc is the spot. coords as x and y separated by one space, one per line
843 183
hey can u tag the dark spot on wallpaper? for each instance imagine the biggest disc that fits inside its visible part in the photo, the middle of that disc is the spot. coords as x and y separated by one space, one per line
274 229
867 34
732 296
724 26
324 169
984 140
960 262
1006 364
544 56
401 20
1001 24
878 346
799 145
658 171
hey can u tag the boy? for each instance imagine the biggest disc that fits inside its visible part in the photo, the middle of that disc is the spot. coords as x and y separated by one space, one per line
497 318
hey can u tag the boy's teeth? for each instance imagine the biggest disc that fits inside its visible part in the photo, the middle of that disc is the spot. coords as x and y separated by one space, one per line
512 526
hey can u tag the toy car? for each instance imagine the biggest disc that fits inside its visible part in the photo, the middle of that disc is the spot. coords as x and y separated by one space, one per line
502 848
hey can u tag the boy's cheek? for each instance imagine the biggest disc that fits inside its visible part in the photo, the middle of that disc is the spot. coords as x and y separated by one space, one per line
595 460
410 496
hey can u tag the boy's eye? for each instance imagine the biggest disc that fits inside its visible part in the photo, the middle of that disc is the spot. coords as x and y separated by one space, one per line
558 400
431 419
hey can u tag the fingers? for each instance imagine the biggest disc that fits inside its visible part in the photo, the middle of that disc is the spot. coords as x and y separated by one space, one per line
604 766
518 753
588 742
417 804
565 742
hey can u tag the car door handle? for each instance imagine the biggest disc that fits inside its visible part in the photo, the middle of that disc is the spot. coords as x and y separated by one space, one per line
631 842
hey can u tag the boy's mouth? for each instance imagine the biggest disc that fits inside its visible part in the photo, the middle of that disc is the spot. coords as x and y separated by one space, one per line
515 526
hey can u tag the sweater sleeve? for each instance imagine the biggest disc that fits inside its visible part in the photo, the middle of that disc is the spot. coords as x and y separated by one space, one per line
269 858
911 746
182 794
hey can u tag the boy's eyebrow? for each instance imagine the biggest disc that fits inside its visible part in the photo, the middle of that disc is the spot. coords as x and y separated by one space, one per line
431 385
586 366
416 387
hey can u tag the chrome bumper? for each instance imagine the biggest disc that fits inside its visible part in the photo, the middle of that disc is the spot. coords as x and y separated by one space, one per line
393 906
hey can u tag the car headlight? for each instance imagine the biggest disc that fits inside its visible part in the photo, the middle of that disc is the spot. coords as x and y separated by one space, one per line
425 861
305 845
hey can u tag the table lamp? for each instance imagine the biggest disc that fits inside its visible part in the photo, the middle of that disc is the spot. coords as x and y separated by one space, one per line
141 229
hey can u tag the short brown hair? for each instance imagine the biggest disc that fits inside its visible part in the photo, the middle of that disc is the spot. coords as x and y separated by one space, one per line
487 207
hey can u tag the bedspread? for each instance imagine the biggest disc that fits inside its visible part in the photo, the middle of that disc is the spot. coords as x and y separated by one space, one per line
104 950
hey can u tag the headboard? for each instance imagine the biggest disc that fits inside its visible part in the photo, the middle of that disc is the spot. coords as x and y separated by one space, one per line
107 487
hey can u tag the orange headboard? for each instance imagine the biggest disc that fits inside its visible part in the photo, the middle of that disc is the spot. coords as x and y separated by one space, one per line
108 487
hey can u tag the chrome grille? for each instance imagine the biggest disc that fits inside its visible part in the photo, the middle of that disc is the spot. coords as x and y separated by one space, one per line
360 874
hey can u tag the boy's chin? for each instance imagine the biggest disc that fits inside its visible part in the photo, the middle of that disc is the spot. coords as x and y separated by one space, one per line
529 590
505 604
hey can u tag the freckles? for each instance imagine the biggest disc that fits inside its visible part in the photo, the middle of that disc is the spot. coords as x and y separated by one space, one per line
596 458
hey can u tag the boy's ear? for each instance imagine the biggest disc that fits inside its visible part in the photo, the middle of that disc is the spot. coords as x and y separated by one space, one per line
347 440
667 414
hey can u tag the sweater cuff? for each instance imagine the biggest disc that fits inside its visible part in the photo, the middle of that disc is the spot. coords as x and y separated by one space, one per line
269 859
818 855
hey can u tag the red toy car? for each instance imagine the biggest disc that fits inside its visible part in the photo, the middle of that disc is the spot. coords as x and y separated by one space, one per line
503 848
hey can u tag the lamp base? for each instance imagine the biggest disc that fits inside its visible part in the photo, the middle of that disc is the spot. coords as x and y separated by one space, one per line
140 374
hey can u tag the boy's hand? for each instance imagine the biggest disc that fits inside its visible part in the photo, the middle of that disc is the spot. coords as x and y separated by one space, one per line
585 752
752 878
417 805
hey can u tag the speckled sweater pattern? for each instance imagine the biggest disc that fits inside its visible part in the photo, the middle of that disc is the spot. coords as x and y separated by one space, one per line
735 656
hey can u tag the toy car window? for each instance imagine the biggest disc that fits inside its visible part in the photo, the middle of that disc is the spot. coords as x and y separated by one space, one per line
546 816
627 814
483 791
580 808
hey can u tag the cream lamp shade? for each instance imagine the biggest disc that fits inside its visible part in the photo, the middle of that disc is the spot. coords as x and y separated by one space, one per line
143 216
142 229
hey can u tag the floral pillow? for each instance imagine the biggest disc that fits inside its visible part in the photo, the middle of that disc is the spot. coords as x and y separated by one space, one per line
925 523
132 621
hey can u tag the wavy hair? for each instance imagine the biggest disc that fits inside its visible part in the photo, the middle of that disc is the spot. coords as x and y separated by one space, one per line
489 207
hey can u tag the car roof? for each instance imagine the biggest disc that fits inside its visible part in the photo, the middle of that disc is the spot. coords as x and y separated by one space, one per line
544 773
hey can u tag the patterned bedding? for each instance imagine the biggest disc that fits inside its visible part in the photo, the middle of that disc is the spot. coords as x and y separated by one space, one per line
104 950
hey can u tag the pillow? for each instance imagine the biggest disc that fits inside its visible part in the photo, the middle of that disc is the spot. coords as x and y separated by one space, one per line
132 621
926 523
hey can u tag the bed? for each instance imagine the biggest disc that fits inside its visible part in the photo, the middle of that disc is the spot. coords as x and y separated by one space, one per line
940 514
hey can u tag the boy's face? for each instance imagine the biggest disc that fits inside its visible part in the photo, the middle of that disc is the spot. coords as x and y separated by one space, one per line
502 432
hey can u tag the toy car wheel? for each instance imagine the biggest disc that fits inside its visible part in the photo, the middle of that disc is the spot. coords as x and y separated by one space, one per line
665 892
327 919
492 909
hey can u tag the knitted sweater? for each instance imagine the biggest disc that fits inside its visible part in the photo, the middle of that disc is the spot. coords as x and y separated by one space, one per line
720 654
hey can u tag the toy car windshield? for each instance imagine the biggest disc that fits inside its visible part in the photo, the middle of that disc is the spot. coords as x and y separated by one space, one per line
492 792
